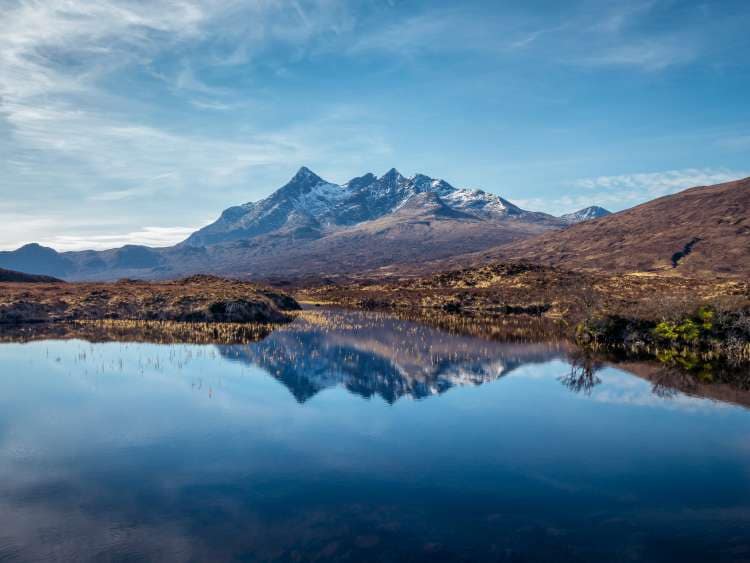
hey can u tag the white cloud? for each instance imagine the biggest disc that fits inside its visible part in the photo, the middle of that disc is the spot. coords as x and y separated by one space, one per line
54 105
37 39
71 141
148 236
626 190
654 184
622 388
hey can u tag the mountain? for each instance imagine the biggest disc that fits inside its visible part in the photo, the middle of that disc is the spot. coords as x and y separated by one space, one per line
380 225
36 259
312 227
9 276
702 231
310 207
585 214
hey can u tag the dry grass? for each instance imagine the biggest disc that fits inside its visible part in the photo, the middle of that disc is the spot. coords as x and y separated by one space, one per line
156 332
199 299
509 289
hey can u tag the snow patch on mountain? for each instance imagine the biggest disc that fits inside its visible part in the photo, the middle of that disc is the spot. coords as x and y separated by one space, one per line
585 214
308 202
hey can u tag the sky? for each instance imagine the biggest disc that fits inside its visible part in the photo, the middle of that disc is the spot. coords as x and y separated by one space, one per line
138 121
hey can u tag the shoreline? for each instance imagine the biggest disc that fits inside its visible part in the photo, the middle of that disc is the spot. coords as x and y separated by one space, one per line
698 324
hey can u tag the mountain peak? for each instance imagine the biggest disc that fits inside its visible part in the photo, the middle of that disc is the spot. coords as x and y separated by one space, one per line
392 174
361 181
591 212
597 209
36 248
305 174
302 182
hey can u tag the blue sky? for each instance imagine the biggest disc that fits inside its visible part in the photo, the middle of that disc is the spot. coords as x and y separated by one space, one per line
136 121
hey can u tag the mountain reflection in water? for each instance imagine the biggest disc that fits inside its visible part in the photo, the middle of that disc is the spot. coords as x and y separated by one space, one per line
373 354
128 450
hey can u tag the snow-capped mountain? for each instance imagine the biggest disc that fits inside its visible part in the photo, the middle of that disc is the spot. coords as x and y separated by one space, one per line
309 206
593 212
311 227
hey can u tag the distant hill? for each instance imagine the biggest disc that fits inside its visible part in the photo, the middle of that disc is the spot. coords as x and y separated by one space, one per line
586 214
36 259
18 277
700 231
312 227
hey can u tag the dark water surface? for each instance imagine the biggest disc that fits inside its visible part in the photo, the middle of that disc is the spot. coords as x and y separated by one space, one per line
352 438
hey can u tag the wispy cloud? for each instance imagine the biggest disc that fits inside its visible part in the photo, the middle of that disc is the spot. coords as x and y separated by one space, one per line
63 233
647 54
124 108
630 189
149 236
413 36
452 31
626 190
593 35
660 183
620 16
74 139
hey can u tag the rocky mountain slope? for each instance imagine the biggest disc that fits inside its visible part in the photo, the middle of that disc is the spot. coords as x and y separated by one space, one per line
311 227
702 231
310 207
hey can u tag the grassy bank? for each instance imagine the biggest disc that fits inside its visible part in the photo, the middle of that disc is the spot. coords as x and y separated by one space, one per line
701 341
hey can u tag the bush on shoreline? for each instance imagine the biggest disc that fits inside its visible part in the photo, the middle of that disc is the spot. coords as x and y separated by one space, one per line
694 341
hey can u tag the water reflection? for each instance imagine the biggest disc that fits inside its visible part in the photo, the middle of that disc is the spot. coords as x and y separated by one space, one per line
267 451
582 376
375 354
372 354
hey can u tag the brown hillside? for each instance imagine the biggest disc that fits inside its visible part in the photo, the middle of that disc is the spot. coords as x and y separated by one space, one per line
700 231
19 277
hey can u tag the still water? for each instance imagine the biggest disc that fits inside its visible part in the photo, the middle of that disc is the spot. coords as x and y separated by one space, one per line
350 437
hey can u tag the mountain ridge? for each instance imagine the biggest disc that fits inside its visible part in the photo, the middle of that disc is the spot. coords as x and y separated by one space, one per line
308 201
310 227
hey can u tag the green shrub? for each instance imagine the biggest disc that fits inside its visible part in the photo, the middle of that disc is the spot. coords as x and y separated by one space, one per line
666 330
